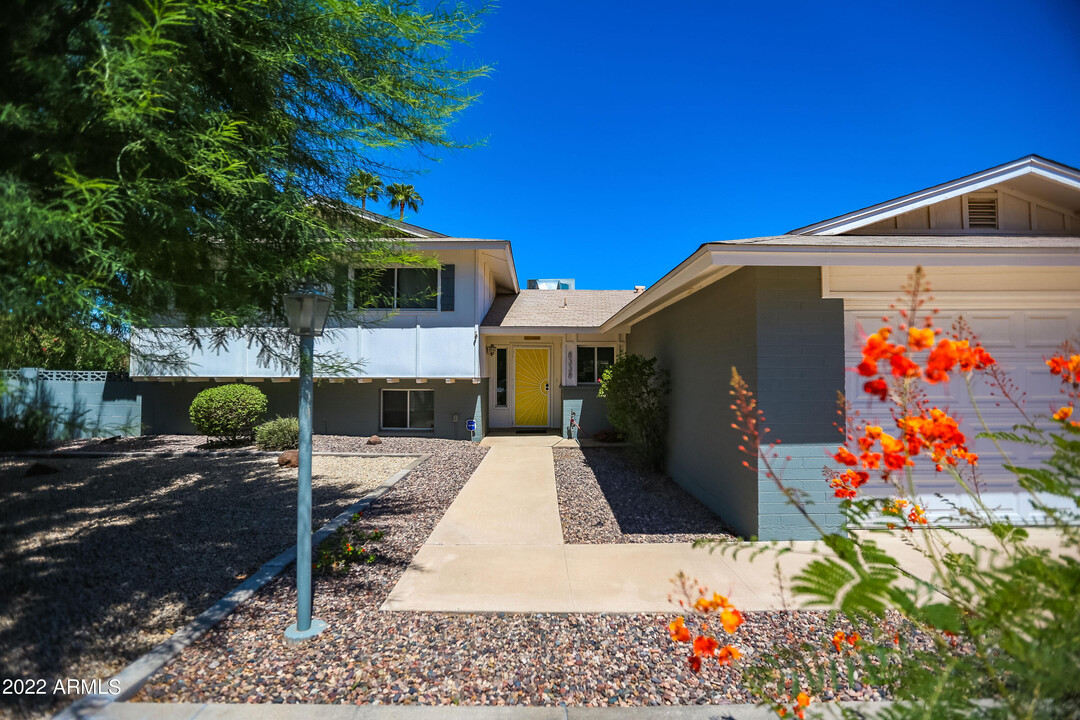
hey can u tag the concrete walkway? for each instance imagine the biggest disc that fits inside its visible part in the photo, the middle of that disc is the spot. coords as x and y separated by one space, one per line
499 548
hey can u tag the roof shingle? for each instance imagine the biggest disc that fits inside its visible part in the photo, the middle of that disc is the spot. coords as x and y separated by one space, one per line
556 308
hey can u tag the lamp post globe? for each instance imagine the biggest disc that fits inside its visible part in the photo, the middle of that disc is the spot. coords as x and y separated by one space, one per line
306 309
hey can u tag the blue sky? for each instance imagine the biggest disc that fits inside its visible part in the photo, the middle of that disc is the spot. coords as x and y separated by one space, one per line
621 135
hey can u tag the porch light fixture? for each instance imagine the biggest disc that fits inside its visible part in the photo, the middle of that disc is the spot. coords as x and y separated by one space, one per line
491 349
306 309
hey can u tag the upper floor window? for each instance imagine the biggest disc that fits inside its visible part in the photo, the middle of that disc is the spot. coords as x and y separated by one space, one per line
412 289
592 362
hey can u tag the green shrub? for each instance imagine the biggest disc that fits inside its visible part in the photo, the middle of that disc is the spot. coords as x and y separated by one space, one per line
636 391
229 412
281 433
25 430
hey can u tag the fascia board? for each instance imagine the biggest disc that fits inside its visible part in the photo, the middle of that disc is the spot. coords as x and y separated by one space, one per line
454 243
711 263
816 256
684 273
540 330
939 193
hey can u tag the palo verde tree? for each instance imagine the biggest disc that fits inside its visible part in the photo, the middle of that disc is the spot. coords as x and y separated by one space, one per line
161 156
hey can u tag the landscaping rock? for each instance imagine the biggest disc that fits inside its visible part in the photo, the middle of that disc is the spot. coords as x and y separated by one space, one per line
289 458
605 496
371 657
374 440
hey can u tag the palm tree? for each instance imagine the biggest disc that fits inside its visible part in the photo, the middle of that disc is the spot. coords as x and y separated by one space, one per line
364 186
401 196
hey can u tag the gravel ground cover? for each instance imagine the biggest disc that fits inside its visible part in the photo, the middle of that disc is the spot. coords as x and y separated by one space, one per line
369 656
105 558
605 496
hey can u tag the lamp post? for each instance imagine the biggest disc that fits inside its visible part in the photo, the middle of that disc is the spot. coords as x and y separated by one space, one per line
306 309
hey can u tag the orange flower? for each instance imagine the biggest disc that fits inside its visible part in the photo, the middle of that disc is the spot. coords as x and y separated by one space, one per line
695 662
1067 368
896 507
877 388
731 619
854 638
679 631
867 368
844 457
838 640
846 483
782 711
728 653
917 515
803 699
704 645
903 366
1064 413
920 338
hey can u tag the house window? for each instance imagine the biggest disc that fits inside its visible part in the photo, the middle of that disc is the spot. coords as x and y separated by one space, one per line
592 361
408 409
500 377
413 289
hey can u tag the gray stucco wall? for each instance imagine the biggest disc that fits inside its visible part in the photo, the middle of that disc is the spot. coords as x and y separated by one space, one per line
83 403
347 408
800 359
590 411
699 339
787 343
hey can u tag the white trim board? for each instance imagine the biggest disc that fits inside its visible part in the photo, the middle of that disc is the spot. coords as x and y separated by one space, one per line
1030 165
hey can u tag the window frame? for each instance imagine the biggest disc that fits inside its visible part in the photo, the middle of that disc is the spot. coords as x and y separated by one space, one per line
438 292
408 409
505 351
594 348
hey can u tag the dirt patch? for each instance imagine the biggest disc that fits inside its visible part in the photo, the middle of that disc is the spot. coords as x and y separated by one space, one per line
106 558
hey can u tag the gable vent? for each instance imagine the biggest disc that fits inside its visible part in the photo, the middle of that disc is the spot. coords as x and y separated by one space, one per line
982 212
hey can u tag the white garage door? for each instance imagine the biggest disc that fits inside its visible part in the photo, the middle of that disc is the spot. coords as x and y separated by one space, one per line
1019 340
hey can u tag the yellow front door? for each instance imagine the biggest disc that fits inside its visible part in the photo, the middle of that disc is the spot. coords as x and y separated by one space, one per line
531 386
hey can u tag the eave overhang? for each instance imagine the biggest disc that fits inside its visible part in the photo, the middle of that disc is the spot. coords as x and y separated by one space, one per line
713 261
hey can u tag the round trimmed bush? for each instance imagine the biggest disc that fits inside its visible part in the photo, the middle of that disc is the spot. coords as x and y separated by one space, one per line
229 412
281 433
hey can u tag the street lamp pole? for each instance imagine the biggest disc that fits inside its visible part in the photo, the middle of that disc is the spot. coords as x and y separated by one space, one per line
307 310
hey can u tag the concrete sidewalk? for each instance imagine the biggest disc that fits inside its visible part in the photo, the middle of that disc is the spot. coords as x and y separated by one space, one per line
499 548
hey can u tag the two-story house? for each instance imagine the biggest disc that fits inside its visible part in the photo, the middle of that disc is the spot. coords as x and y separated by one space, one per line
457 350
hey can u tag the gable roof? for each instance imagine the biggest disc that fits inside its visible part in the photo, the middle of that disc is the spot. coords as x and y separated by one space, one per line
408 229
1031 165
551 309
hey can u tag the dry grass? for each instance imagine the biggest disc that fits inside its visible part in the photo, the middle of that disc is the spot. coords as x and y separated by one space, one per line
104 559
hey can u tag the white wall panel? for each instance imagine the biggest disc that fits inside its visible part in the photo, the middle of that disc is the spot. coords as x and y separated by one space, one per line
388 351
447 352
